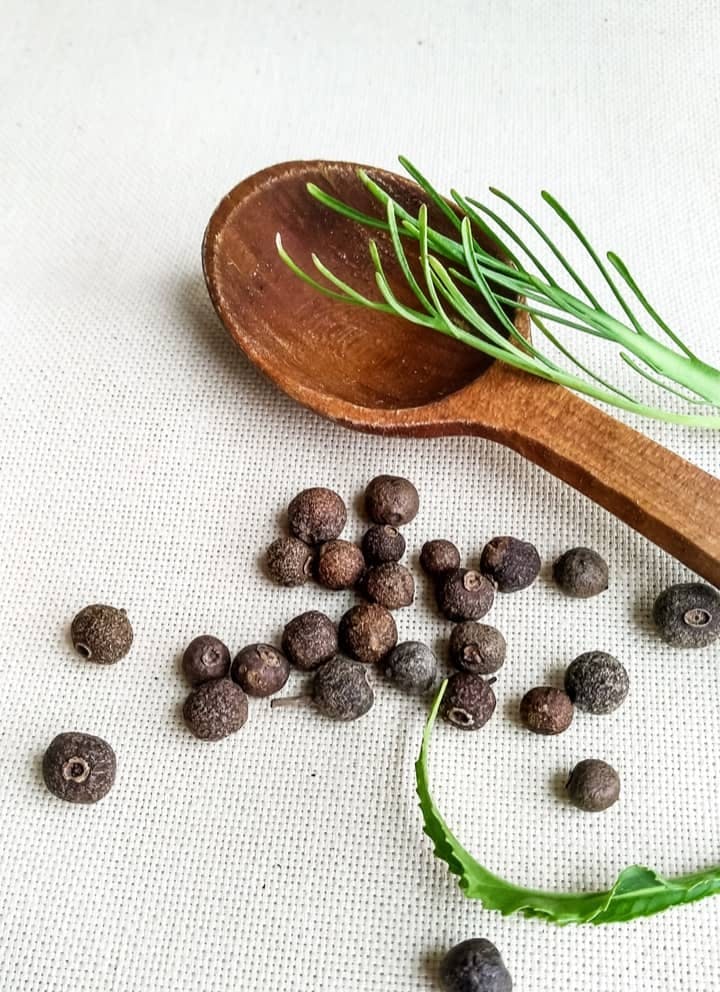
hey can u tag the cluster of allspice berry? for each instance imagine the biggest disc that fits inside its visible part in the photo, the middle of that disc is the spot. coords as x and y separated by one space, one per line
80 767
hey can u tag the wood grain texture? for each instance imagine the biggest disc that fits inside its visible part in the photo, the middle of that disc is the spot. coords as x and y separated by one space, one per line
375 372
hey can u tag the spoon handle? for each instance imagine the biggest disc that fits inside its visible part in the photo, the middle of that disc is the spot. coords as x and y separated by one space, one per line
673 503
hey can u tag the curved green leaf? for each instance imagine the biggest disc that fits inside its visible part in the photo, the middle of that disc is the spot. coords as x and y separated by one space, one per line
637 892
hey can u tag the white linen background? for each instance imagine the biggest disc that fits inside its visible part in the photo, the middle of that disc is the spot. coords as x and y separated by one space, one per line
146 464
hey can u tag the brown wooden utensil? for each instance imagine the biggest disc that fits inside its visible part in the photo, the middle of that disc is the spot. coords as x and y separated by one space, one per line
375 372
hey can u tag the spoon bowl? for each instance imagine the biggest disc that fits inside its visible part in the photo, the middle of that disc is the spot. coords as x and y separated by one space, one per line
376 372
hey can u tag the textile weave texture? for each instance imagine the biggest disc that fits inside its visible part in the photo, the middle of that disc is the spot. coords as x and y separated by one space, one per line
145 463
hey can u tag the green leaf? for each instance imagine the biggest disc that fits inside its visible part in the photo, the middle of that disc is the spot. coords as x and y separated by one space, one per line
637 892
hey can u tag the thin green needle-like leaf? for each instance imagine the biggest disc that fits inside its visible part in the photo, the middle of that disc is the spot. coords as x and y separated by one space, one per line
294 267
439 201
504 226
624 272
352 294
492 302
568 220
657 381
339 207
415 316
546 238
488 231
402 258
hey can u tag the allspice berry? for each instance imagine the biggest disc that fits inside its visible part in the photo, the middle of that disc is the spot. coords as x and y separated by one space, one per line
290 561
469 701
593 785
260 669
368 632
340 565
341 689
390 499
475 965
510 563
581 572
317 515
79 768
101 634
216 709
205 658
477 647
382 543
687 615
309 640
596 682
412 666
464 594
439 556
391 585
546 710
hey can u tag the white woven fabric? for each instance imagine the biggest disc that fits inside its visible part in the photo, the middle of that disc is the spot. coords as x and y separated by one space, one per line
146 464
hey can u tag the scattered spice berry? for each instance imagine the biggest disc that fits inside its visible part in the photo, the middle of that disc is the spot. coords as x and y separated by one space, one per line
439 556
546 710
477 647
216 709
341 689
391 585
290 561
390 499
309 640
593 785
687 615
596 682
382 543
79 768
581 572
317 515
474 966
511 564
469 701
101 634
205 658
412 666
340 565
464 594
368 632
260 669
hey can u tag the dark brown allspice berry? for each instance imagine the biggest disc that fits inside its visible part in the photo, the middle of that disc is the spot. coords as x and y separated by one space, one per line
216 709
317 515
464 594
593 785
290 561
340 565
382 543
101 634
79 768
546 710
469 701
341 690
205 658
368 632
581 572
477 647
596 682
390 499
390 585
687 615
309 640
260 669
510 563
439 556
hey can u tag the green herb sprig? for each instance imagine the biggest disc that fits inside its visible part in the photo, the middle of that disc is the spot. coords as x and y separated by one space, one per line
452 265
637 891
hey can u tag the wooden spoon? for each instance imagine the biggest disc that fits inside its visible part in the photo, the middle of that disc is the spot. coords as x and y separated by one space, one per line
375 372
